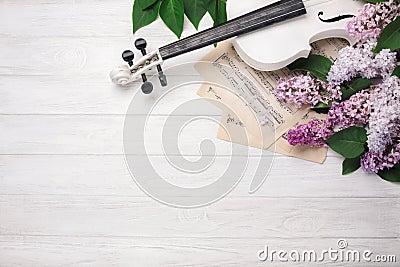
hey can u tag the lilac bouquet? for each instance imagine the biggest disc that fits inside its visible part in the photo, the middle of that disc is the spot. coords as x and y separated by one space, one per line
359 92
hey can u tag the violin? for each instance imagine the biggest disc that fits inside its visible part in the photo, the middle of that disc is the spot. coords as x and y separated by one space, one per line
268 36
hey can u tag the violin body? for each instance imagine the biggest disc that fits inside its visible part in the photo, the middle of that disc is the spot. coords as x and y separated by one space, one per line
275 47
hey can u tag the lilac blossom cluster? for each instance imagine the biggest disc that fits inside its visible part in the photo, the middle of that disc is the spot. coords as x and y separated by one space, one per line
384 121
373 162
314 134
372 18
352 112
377 108
306 90
361 61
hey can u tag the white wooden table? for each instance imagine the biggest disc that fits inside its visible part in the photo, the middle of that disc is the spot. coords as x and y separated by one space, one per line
66 196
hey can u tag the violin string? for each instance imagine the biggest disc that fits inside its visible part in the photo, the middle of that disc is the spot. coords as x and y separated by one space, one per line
191 40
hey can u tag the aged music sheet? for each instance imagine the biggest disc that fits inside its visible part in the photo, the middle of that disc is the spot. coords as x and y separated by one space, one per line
250 103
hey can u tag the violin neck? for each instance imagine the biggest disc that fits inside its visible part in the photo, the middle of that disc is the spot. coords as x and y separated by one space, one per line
260 18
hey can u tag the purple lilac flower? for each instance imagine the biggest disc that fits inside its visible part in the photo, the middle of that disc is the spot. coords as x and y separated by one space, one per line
313 133
354 111
372 162
304 89
361 61
372 18
384 121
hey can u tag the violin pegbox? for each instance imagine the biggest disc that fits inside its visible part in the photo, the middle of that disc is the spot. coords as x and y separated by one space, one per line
125 74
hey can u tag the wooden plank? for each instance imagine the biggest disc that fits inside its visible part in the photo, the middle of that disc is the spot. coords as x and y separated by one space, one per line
71 58
251 217
65 39
85 134
55 95
73 251
65 134
62 96
71 18
108 175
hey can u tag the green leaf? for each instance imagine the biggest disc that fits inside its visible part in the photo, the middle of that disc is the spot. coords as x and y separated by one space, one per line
141 18
359 84
350 142
391 175
396 72
355 86
217 11
322 107
317 65
195 10
144 4
350 165
389 37
172 13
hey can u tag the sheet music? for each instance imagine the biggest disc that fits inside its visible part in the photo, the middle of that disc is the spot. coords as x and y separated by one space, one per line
256 102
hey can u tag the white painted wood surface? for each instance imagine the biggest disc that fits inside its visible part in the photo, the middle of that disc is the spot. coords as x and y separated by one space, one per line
66 196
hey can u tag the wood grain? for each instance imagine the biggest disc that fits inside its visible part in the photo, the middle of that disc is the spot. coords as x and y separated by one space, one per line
70 18
125 251
80 96
249 217
101 134
74 57
99 175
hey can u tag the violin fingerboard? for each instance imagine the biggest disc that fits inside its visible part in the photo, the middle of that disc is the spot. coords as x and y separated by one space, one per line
260 18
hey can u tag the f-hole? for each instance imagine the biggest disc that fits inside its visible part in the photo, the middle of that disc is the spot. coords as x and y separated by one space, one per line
334 19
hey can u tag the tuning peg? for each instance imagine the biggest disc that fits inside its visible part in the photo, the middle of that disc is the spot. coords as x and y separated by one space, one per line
128 56
147 87
141 45
161 76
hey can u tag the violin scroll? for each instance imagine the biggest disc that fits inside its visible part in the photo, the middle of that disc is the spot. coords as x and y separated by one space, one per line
121 75
133 71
